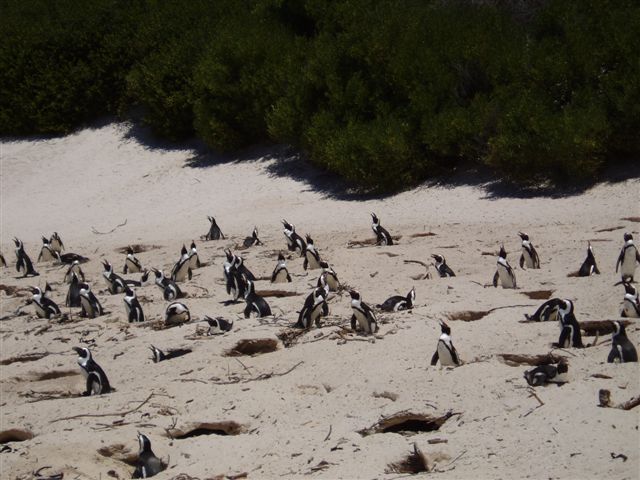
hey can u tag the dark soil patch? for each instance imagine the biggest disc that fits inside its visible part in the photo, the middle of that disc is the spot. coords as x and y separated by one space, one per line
28 357
119 452
516 360
539 294
610 229
422 234
631 219
467 315
415 462
253 346
407 423
224 428
15 435
137 248
40 377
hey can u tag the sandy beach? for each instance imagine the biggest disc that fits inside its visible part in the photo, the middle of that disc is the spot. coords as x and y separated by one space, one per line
304 409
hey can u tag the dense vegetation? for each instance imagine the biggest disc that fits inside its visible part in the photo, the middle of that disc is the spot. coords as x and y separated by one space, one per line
385 93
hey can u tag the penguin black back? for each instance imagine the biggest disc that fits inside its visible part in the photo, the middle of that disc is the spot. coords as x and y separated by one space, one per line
589 266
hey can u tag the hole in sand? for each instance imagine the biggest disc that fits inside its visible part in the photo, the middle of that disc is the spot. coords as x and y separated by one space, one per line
253 346
417 461
516 360
228 427
631 219
15 435
467 315
538 294
29 357
11 290
119 452
137 248
407 423
40 377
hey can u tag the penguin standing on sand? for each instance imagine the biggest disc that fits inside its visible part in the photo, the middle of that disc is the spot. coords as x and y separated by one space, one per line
398 302
45 307
47 254
218 325
280 273
182 268
628 259
363 317
328 277
253 239
529 256
170 289
90 305
589 266
504 272
622 350
544 374
73 294
545 312
24 264
311 256
382 236
442 267
132 306
570 335
97 382
115 283
176 313
255 303
214 232
294 241
74 268
315 307
131 263
234 279
445 351
55 242
160 356
631 302
194 259
147 464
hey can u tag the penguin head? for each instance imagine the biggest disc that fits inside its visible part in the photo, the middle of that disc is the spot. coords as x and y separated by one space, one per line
157 354
411 297
355 295
213 323
144 443
17 242
211 219
523 236
254 234
438 258
324 265
183 251
83 353
627 237
193 246
106 265
374 218
288 226
281 257
128 291
129 250
444 328
630 289
229 255
35 291
503 252
619 329
309 239
158 273
563 366
45 240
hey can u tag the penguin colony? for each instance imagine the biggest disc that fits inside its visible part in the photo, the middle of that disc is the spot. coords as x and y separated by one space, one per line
240 286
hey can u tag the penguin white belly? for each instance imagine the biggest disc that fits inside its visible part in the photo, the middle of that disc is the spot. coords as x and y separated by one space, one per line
628 267
506 280
40 310
362 320
132 267
313 263
629 308
45 255
333 283
444 355
86 305
281 276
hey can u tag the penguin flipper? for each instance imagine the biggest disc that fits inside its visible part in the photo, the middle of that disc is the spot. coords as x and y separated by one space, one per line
353 323
522 261
620 259
434 358
288 277
495 279
613 355
247 311
448 271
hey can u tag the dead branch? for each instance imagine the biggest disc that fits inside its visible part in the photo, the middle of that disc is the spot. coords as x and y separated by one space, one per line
328 434
110 231
263 376
604 397
115 414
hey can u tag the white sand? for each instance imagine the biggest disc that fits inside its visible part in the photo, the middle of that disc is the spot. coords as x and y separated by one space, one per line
100 178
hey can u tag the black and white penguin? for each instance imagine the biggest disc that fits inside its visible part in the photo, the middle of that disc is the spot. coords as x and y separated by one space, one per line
159 355
544 374
628 259
622 350
97 382
218 325
147 464
47 254
24 264
115 283
45 307
170 289
363 317
311 255
570 335
131 263
398 302
445 351
181 271
529 256
74 268
89 303
252 240
280 273
504 273
194 258
631 302
234 280
589 266
55 242
328 277
238 263
382 236
73 294
442 267
132 306
294 241
255 303
214 232
69 258
545 312
315 307
176 313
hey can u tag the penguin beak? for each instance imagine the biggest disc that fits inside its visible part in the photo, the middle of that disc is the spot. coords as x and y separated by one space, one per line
78 350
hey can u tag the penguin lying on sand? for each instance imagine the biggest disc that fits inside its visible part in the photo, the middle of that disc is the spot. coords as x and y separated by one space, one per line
45 307
252 240
176 313
442 267
214 232
544 374
218 325
160 356
398 302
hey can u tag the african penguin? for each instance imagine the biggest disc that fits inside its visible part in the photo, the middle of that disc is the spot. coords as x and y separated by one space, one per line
45 307
214 232
131 263
589 266
159 355
442 267
218 325
382 236
115 283
47 254
280 273
176 313
398 302
622 350
194 259
328 277
97 382
74 268
315 306
24 264
132 306
89 303
545 312
73 294
234 280
181 271
363 317
170 289
628 258
253 239
55 242
294 241
544 374
311 256
69 258
570 335
504 273
631 302
445 351
255 303
147 464
529 256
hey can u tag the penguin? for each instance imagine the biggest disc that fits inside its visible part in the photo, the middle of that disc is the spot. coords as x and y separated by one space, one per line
445 351
442 267
115 283
170 289
398 302
382 236
545 312
47 254
280 273
628 258
74 268
328 277
570 335
131 263
363 316
255 303
311 255
218 325
589 266
529 256
543 374
253 239
182 269
631 302
69 258
294 241
145 278
55 242
194 259
73 294
234 280
504 272
214 232
147 464
159 355
314 308
3 262
176 313
45 307
24 264
132 305
622 350
97 382
90 305
238 263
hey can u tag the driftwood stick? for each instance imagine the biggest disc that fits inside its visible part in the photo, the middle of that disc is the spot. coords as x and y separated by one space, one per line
604 397
115 414
264 376
93 229
328 434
